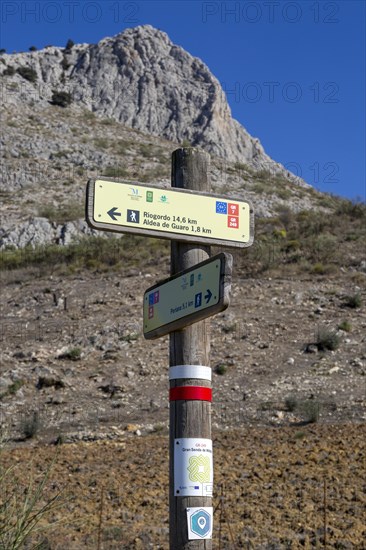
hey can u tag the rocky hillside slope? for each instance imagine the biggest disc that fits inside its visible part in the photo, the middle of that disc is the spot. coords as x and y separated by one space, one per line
289 408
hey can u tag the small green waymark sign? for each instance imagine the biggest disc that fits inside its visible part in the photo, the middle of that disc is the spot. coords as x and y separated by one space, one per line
188 297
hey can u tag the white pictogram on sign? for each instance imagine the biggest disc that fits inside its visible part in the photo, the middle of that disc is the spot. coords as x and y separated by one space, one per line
199 522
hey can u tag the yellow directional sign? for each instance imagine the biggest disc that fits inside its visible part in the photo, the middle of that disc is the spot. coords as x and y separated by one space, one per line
179 214
188 296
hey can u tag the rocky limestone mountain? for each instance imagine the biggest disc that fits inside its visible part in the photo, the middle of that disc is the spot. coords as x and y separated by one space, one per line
82 390
118 108
143 80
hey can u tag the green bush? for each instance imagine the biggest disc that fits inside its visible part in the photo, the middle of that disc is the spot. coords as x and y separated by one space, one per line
101 143
12 389
107 122
263 175
115 172
27 73
74 354
310 410
352 209
62 99
90 253
147 150
23 508
318 269
63 213
291 403
241 166
312 243
345 326
9 71
325 247
221 369
354 301
130 337
31 425
321 269
153 174
292 246
284 193
327 339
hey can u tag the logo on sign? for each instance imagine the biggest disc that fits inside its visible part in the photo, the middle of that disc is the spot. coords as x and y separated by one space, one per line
221 207
233 215
134 194
154 298
233 221
184 284
200 523
233 209
199 468
133 216
149 196
198 300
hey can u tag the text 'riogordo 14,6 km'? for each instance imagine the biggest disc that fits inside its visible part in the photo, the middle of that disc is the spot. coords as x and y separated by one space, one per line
171 213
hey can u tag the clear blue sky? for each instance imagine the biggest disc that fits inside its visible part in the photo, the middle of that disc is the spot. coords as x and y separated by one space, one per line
294 71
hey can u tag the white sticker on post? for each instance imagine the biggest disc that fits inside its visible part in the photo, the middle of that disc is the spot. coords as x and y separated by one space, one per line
190 371
199 522
193 467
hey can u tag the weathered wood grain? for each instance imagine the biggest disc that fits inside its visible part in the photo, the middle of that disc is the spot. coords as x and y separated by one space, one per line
189 346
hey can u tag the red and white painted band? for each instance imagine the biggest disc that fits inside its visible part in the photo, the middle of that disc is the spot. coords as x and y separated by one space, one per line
190 393
190 371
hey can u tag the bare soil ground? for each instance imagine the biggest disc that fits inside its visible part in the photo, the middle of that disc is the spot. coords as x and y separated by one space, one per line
86 371
275 488
288 424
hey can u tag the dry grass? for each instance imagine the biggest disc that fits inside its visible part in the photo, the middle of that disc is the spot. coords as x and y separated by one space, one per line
308 242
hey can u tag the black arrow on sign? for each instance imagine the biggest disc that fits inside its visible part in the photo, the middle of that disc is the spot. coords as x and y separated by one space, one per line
113 213
208 295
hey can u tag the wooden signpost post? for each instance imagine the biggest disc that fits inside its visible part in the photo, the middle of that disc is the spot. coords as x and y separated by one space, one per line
199 287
